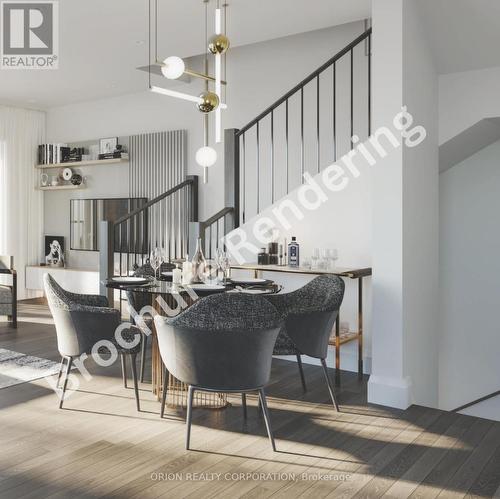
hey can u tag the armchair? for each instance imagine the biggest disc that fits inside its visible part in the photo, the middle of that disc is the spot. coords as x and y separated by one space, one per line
8 292
81 321
222 343
309 314
136 301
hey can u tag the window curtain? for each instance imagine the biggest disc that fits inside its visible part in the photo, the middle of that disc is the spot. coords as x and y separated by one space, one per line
21 205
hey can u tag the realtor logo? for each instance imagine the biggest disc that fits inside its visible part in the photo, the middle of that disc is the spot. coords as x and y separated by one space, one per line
29 35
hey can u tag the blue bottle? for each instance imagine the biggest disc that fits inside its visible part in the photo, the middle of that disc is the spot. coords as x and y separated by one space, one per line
294 253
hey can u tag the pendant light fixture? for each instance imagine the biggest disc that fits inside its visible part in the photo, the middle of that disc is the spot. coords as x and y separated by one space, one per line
209 101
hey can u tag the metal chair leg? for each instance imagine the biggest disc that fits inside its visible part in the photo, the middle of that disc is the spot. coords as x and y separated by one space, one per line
244 404
330 386
133 360
68 369
144 347
61 367
301 370
124 369
189 415
164 392
267 419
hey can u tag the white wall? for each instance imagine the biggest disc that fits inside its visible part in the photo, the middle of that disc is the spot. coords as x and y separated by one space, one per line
421 213
388 383
469 285
405 222
101 182
466 98
468 346
258 75
342 221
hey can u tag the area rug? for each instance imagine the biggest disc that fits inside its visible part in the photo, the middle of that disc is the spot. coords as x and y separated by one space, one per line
17 368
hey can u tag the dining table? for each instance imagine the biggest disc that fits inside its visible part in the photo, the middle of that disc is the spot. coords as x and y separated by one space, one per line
168 300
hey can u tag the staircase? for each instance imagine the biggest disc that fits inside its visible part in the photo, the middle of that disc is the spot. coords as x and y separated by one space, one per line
304 131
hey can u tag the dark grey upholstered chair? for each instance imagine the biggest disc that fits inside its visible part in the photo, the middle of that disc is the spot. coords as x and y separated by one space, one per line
222 343
137 301
309 314
8 292
81 321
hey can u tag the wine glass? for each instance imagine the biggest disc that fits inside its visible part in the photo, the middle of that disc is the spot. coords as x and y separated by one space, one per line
210 272
324 261
155 260
333 256
315 259
223 262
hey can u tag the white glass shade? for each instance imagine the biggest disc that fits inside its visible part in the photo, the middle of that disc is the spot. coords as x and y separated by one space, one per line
173 67
206 156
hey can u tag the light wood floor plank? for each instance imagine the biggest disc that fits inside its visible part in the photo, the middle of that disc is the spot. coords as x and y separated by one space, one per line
100 446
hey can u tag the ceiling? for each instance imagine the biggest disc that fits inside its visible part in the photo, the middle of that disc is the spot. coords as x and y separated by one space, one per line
464 34
102 42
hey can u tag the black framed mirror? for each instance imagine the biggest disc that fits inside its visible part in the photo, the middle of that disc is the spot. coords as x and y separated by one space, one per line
86 215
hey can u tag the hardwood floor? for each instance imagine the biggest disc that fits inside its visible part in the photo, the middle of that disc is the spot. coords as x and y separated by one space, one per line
100 446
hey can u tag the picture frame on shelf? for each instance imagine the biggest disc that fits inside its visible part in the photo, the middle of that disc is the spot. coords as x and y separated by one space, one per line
108 145
54 251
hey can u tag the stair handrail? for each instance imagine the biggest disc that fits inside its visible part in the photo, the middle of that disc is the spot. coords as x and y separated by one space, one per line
236 139
190 180
199 230
220 214
305 81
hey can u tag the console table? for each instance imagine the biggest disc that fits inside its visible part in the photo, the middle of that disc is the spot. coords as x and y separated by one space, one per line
76 280
338 339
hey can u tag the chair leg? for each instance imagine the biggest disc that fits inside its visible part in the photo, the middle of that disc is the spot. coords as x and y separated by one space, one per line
301 370
267 419
133 360
144 347
65 384
244 404
124 369
164 392
189 415
13 318
61 367
330 386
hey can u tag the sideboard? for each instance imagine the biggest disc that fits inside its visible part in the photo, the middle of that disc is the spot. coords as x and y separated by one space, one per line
73 279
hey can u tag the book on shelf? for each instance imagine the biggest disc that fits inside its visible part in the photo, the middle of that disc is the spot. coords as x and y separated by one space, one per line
53 154
49 154
113 155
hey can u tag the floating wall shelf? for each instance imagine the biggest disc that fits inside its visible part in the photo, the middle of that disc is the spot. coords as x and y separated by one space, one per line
79 164
61 187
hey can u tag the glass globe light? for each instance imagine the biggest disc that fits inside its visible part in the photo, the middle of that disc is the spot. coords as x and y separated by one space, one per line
173 67
206 156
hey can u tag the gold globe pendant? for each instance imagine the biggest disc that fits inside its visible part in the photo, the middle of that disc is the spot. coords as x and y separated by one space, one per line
218 44
209 102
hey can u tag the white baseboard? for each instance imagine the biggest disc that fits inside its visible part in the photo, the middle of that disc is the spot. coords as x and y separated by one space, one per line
391 392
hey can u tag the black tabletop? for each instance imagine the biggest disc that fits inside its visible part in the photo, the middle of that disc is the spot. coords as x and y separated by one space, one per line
167 288
164 288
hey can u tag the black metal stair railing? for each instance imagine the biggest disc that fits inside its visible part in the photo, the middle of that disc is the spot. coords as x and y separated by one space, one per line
212 231
161 223
337 83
